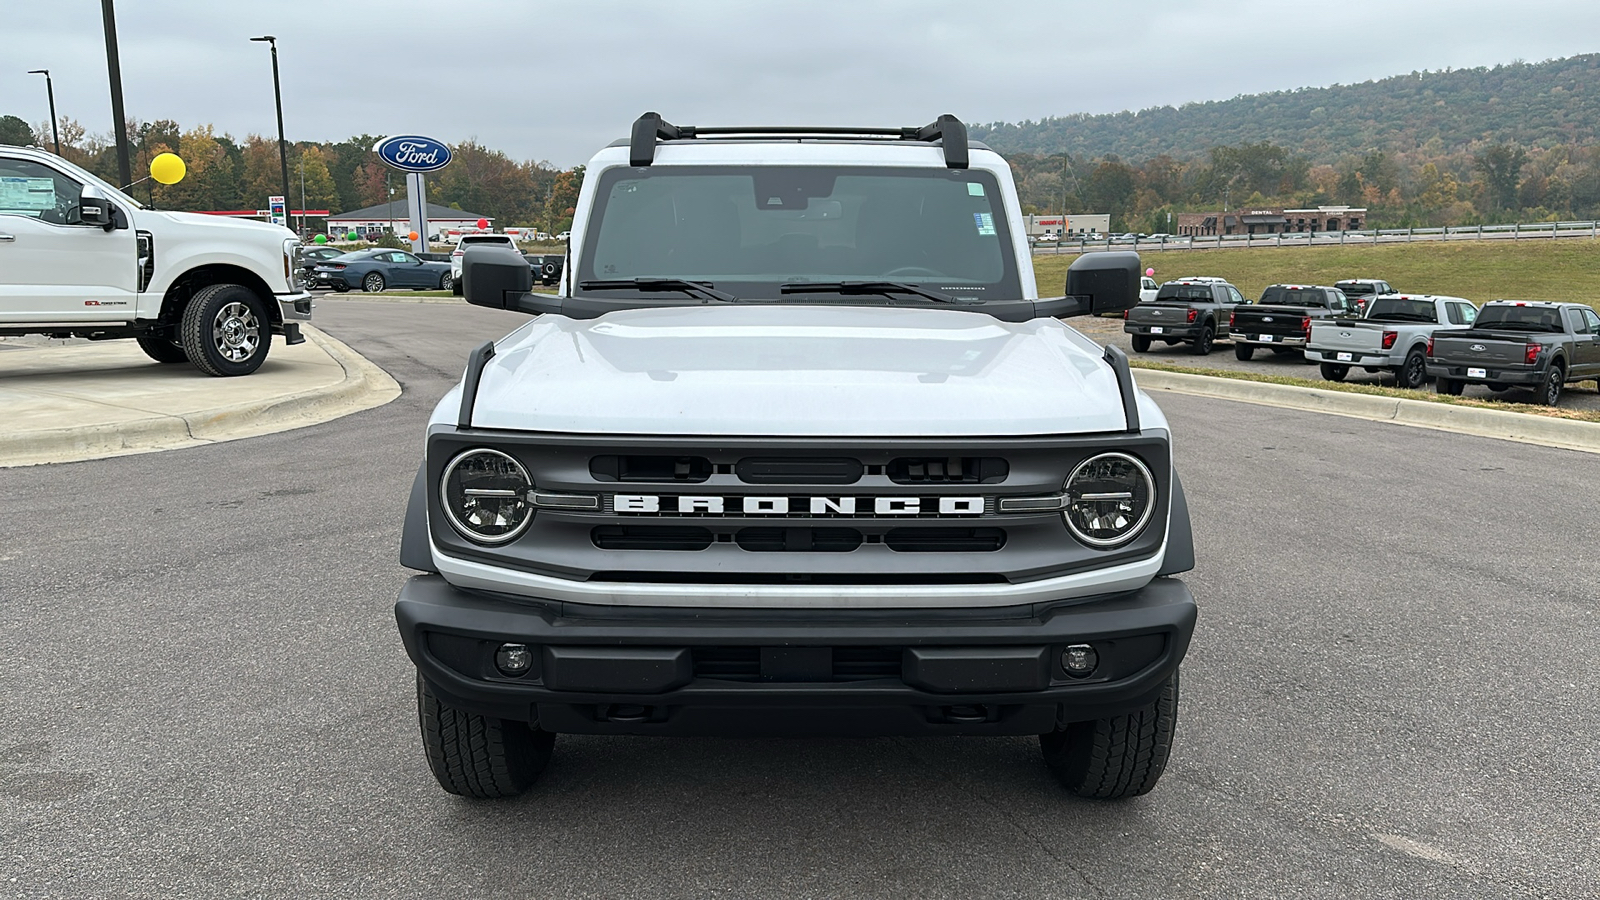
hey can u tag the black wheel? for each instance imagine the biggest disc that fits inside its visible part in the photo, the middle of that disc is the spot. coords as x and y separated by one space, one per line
161 348
1141 344
1202 345
341 287
1413 373
225 330
476 756
1122 756
1334 371
1448 386
446 283
373 282
1550 394
1243 352
455 285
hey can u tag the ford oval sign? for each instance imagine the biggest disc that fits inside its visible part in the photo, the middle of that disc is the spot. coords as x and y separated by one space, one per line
413 153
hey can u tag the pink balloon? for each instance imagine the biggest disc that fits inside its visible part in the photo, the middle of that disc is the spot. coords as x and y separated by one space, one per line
1150 273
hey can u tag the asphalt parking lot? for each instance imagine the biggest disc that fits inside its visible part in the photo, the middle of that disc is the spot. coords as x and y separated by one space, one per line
1579 395
1391 692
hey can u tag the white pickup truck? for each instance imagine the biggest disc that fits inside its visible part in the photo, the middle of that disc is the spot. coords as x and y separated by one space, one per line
79 258
797 448
1393 334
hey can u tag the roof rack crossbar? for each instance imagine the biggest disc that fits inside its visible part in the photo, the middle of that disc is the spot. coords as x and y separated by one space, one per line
650 127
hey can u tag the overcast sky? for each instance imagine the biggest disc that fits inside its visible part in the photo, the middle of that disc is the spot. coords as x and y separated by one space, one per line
558 80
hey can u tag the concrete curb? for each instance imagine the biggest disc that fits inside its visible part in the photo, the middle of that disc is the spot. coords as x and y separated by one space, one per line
1566 434
364 386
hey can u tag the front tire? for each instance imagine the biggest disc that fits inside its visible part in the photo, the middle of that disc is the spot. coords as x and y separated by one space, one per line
161 349
225 330
1203 344
373 283
1334 371
1141 344
1117 757
1243 352
477 756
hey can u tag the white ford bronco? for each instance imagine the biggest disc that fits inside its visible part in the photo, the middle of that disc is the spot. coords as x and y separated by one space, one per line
79 258
796 449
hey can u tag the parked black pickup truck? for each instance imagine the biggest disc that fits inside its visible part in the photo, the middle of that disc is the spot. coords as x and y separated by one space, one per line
1190 310
1531 344
1281 319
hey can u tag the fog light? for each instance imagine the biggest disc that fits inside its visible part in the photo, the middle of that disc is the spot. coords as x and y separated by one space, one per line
516 659
1079 660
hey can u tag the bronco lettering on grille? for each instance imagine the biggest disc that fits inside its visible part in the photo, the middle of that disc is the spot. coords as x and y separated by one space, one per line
718 505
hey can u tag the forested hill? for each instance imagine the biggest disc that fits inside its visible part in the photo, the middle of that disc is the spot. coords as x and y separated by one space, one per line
1534 105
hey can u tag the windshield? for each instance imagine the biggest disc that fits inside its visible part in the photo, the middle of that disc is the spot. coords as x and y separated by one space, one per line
1519 318
1407 310
1306 297
1184 292
748 231
1356 289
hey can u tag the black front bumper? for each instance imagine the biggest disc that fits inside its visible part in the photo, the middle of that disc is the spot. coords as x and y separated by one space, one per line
602 670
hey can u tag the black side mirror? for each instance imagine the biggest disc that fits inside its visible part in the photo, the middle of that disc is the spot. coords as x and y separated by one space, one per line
500 278
1102 282
94 208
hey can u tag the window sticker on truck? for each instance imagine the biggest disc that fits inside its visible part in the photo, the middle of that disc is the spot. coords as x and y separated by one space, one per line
985 223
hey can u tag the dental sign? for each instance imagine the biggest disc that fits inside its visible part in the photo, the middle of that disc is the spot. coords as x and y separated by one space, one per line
413 153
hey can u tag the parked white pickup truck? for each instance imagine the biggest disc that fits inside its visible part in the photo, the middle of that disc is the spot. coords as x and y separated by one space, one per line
79 258
1392 335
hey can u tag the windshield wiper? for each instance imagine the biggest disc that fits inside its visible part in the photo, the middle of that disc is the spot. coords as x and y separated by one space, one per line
693 288
884 288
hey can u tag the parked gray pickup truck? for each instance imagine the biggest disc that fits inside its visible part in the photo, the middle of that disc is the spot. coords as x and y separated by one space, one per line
1192 310
1515 343
1393 335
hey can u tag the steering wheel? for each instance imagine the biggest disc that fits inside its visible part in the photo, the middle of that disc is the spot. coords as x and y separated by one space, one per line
912 270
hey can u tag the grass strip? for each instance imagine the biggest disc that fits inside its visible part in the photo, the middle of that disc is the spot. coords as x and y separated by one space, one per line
1551 412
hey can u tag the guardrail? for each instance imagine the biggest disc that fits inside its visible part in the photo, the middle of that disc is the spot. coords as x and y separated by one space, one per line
1516 232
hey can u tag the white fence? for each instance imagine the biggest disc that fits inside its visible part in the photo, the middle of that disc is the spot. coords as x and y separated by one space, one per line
1521 232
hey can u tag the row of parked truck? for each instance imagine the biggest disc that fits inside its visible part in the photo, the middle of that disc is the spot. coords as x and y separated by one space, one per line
1535 345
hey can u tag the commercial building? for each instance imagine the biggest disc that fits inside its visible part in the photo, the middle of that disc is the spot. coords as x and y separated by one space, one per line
1069 224
393 217
1276 220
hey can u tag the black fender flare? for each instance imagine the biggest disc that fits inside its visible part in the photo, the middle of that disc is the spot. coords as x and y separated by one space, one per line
415 552
1180 536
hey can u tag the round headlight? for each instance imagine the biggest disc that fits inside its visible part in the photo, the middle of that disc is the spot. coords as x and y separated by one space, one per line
485 496
1109 500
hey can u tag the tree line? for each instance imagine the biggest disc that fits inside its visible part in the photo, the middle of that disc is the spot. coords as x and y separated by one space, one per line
227 174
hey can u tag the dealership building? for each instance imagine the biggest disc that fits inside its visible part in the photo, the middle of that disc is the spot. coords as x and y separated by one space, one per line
393 217
1070 224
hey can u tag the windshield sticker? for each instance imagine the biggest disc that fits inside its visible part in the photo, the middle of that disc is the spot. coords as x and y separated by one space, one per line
18 193
985 223
975 189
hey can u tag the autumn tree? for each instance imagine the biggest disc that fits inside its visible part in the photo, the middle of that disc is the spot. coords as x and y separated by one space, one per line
15 131
1501 168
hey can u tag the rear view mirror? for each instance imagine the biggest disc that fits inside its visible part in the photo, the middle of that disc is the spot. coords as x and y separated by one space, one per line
1103 282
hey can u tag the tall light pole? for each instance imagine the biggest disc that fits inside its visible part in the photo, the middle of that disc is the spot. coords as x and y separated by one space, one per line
277 93
119 120
55 130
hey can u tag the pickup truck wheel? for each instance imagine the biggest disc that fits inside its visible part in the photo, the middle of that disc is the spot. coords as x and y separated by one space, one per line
161 349
1141 344
1202 344
1243 352
476 756
1334 371
1122 756
1448 386
1413 373
1550 395
373 283
225 330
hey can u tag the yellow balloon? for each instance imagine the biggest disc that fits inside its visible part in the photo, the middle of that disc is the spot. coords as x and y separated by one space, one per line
167 168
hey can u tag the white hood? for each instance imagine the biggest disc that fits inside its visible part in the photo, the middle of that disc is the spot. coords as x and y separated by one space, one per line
796 371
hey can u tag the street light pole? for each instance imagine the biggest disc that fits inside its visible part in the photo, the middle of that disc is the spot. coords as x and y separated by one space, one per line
50 90
119 120
277 93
